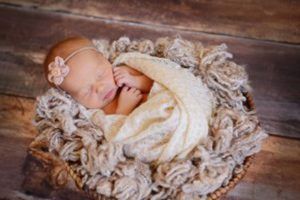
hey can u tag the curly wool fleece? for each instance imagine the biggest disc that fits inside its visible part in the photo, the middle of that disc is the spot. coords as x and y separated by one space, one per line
107 172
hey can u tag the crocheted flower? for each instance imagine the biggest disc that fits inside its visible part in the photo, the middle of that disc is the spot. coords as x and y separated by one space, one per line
57 70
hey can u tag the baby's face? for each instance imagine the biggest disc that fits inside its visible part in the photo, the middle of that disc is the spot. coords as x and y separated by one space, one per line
90 80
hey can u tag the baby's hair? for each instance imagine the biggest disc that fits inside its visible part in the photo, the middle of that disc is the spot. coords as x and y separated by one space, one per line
63 49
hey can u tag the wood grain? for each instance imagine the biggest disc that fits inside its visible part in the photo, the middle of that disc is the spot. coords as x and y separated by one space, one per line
274 173
273 68
277 20
16 133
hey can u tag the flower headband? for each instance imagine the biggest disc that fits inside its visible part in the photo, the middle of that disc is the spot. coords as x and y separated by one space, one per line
58 70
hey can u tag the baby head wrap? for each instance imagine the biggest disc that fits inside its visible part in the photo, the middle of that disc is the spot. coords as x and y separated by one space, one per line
58 69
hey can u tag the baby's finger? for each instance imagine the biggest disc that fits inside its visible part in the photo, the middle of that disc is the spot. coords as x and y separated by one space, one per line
120 73
122 78
118 82
116 68
122 81
117 72
125 88
137 91
119 77
133 89
140 96
119 69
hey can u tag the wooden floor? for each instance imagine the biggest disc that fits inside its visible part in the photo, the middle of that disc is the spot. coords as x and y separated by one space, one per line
265 37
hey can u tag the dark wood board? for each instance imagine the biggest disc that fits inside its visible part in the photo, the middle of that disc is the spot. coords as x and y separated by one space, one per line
276 20
21 179
273 67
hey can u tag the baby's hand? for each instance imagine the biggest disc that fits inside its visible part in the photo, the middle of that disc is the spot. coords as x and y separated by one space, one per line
128 99
123 77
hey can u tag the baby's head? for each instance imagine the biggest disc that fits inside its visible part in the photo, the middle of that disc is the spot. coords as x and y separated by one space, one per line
75 66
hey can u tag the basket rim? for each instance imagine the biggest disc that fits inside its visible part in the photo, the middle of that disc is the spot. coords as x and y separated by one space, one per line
222 191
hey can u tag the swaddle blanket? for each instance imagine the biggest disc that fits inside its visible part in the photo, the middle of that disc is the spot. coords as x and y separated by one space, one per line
172 121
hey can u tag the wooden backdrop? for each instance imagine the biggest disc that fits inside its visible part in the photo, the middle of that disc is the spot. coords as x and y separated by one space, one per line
263 35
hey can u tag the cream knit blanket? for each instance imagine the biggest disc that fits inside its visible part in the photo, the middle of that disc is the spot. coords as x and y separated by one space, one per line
172 121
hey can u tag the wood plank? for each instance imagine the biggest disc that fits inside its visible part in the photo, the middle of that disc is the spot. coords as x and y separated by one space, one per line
274 173
273 68
16 133
276 20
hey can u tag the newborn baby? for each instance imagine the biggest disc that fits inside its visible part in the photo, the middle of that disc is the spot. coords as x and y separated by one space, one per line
170 124
77 67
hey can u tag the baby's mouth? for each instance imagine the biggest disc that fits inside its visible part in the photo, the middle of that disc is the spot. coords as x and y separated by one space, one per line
109 94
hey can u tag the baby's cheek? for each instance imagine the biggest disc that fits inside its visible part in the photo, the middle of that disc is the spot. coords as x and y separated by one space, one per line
88 102
96 104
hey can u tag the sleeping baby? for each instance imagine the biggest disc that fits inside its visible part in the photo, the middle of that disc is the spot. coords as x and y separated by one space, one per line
154 107
75 66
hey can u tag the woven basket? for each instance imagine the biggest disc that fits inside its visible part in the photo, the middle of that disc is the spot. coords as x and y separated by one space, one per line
62 168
